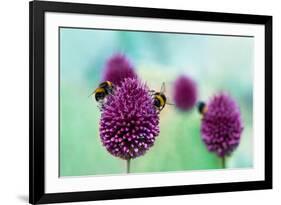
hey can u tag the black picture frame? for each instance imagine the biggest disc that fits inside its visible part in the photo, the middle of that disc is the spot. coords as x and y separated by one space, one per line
37 9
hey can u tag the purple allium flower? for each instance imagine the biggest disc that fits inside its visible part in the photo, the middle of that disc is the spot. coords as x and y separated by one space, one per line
184 93
221 126
129 121
117 69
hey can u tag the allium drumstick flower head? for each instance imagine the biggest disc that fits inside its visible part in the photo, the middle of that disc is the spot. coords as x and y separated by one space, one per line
221 126
184 93
117 69
129 121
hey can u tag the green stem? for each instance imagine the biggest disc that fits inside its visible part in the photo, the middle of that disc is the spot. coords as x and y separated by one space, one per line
223 162
128 163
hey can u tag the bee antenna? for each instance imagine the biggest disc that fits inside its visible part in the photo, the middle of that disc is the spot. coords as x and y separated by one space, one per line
91 93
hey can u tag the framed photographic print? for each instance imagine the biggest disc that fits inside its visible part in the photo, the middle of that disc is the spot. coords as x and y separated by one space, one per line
140 102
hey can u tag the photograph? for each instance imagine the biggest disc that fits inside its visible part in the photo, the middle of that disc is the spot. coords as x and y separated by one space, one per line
130 102
144 102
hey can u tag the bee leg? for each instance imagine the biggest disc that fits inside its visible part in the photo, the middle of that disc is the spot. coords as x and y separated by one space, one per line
152 91
100 105
158 110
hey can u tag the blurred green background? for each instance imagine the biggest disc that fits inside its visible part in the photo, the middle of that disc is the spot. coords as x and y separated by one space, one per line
216 63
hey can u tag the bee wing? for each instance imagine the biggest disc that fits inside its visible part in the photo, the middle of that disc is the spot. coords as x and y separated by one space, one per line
163 88
169 103
167 88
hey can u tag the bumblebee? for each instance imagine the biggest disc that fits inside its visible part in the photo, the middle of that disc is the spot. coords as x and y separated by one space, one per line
159 98
202 108
103 90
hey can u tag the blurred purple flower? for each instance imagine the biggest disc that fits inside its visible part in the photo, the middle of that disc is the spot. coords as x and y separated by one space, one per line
117 69
184 93
221 126
129 122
